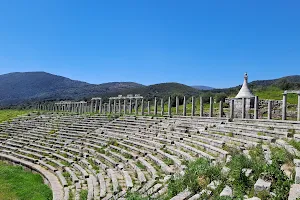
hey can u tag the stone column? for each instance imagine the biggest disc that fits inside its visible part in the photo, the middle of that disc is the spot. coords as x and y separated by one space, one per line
184 106
124 106
232 109
130 106
243 108
284 101
136 107
211 107
120 108
115 106
96 106
169 107
201 107
105 108
155 106
298 112
256 107
162 105
193 106
221 109
177 105
142 107
269 109
148 107
92 105
80 108
108 106
100 106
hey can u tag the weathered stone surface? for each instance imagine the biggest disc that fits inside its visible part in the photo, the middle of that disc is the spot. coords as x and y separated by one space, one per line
247 172
294 192
213 185
297 137
253 198
227 191
287 170
262 185
297 176
297 162
228 159
225 171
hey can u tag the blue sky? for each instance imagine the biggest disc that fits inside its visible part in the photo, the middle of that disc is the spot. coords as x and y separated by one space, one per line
152 41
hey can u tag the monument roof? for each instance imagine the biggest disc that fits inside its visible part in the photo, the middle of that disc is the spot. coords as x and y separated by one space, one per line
245 92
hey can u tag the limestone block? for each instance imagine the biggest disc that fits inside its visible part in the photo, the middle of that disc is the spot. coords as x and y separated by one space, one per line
213 185
294 192
297 162
228 159
262 185
225 171
253 198
287 170
227 191
247 172
297 177
297 137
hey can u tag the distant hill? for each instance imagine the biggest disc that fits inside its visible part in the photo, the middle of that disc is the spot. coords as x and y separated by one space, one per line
202 87
267 89
162 90
24 88
16 88
284 83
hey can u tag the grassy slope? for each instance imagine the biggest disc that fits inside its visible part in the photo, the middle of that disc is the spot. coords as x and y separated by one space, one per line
6 115
275 93
16 183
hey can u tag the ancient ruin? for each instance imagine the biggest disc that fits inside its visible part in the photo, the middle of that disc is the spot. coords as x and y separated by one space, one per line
110 148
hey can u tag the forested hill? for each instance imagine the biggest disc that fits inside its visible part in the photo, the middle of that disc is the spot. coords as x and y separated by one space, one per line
16 88
19 88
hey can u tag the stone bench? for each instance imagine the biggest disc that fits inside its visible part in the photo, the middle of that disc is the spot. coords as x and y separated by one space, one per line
182 195
72 174
102 185
195 151
222 153
165 168
149 167
180 153
115 185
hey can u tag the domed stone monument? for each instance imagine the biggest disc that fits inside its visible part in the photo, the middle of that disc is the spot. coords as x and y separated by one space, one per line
244 100
245 91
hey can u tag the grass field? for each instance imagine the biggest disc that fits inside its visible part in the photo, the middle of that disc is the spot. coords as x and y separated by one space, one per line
6 115
18 184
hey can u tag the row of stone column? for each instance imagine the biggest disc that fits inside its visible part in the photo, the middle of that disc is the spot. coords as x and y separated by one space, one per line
125 106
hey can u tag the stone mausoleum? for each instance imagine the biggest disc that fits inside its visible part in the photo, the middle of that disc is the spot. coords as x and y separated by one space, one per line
245 99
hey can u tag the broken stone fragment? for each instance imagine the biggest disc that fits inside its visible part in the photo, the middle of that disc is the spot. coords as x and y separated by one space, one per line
294 192
262 185
247 172
227 191
213 185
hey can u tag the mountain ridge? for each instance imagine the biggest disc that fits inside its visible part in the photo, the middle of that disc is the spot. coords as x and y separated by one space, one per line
24 87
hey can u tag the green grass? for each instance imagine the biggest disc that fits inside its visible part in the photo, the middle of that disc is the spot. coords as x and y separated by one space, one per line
135 196
295 144
7 115
275 93
83 194
18 184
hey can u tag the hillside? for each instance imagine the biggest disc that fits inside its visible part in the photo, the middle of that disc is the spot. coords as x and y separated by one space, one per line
162 90
27 87
267 89
202 87
16 88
